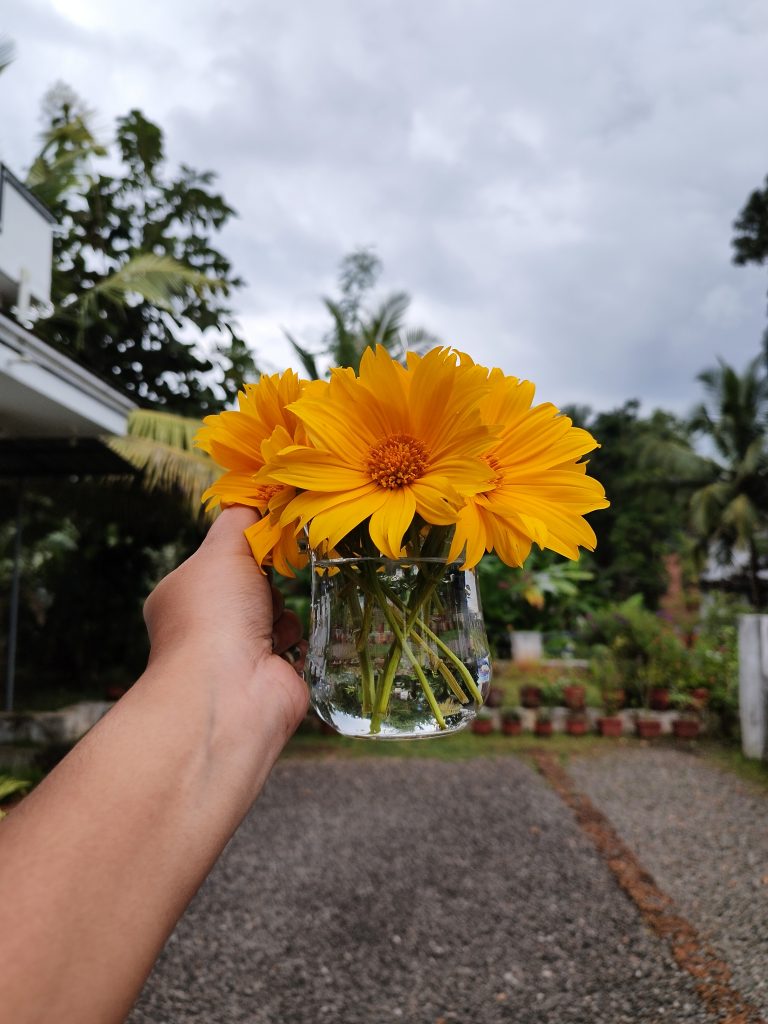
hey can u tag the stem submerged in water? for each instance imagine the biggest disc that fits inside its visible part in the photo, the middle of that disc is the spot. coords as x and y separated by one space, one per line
412 680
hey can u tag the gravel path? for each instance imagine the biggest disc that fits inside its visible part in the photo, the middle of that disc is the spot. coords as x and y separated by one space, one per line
371 892
703 835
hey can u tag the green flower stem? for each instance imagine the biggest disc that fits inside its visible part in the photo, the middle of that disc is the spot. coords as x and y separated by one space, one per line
464 672
441 667
363 626
364 655
414 620
438 664
384 688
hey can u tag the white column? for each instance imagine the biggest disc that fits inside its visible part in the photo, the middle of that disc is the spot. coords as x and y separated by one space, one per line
753 685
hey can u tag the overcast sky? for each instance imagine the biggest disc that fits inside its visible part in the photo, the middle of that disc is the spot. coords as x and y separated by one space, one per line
554 184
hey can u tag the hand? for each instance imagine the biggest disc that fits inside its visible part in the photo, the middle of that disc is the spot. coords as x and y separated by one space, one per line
146 801
218 611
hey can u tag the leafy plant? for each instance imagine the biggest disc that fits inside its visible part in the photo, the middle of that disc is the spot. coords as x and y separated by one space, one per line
715 659
10 786
355 327
136 277
606 673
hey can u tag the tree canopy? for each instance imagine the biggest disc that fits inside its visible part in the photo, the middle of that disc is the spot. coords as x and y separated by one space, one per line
140 292
646 518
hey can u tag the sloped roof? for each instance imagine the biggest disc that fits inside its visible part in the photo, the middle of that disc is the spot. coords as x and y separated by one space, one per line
44 394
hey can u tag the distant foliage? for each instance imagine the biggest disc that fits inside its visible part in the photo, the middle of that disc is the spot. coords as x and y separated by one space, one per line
140 293
358 324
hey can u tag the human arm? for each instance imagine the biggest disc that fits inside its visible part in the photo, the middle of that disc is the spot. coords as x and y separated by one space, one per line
99 862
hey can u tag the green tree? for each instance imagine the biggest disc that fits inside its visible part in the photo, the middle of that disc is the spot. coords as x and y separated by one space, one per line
140 294
648 513
750 241
356 327
729 511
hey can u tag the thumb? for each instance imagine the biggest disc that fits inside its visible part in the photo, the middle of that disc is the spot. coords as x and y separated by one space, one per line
227 535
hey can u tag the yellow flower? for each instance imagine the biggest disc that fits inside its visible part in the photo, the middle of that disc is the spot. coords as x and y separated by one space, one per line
540 491
240 441
388 444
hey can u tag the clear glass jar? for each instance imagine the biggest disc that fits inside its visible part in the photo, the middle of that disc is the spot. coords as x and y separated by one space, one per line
397 649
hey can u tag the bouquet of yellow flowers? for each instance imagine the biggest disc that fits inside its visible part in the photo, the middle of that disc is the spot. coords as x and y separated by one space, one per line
395 481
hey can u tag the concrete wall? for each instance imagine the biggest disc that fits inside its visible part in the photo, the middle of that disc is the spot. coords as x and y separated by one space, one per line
47 727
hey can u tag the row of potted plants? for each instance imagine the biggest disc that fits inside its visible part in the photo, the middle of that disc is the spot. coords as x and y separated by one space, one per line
577 723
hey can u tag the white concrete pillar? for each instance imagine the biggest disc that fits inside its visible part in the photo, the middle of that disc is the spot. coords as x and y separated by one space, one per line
753 685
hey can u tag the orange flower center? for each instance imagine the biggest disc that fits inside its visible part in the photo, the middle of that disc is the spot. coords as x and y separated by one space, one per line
264 493
397 461
495 465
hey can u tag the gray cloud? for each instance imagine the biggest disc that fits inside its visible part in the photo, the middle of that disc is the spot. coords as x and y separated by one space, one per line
555 185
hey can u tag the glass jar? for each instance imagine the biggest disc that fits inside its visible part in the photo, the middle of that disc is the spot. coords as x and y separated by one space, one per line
397 649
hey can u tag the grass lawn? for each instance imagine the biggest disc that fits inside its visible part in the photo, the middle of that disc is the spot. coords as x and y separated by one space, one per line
464 745
458 746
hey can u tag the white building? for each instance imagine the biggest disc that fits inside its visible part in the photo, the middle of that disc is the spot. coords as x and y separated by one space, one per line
45 397
26 247
53 413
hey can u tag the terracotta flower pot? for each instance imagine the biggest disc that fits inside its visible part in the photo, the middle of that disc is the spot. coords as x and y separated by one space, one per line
658 698
543 729
512 727
648 728
686 728
576 726
530 696
495 697
482 726
575 696
610 726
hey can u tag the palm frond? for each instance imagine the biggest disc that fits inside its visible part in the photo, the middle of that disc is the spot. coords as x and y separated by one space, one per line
344 347
308 359
418 339
160 445
164 427
385 324
157 279
166 468
7 53
676 460
740 520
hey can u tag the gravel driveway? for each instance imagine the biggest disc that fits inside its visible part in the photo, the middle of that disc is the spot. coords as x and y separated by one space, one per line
703 835
372 891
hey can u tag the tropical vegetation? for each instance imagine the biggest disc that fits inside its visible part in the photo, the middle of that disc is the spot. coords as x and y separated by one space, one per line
143 296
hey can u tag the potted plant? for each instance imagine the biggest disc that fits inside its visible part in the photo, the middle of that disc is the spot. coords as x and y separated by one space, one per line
610 725
495 697
687 724
530 696
482 723
669 668
576 723
647 726
606 673
659 698
574 695
543 726
511 723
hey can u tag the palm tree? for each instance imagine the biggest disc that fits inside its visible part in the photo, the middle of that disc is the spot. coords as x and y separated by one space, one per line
161 446
354 329
729 512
